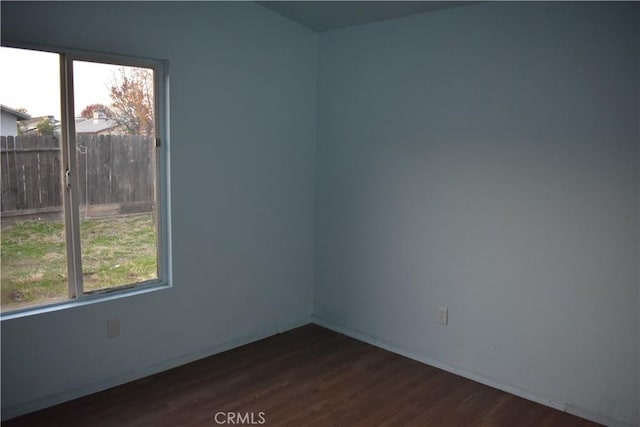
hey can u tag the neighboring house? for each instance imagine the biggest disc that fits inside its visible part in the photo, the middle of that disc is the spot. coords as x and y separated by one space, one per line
9 119
98 125
30 126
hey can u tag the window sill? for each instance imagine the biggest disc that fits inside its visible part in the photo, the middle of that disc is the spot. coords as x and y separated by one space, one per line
82 302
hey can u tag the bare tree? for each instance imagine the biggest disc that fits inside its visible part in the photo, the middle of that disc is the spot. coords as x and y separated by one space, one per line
131 94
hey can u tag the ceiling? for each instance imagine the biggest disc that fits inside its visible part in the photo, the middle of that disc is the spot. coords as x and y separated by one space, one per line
329 15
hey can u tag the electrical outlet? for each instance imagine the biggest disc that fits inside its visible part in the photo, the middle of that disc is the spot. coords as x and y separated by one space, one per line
443 315
113 328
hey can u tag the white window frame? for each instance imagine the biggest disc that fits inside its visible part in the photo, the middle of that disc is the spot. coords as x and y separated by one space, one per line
77 295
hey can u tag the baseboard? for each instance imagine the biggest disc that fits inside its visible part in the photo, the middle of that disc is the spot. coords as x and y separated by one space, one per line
36 405
525 394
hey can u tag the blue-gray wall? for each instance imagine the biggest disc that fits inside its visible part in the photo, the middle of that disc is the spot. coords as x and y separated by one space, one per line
243 84
485 158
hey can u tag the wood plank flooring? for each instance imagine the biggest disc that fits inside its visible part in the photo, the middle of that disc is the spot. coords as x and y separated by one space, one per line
309 376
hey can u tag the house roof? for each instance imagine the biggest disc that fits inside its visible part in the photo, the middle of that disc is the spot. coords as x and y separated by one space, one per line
18 114
94 125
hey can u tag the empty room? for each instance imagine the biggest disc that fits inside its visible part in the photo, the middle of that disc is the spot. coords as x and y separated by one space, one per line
320 213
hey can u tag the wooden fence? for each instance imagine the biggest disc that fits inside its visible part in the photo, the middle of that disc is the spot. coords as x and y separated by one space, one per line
116 175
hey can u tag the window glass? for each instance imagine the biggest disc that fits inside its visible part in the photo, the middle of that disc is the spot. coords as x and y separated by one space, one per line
115 151
34 256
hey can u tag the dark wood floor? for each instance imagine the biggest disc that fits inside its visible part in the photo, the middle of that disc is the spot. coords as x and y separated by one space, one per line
308 376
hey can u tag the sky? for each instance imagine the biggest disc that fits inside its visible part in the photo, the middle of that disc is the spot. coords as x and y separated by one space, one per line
31 79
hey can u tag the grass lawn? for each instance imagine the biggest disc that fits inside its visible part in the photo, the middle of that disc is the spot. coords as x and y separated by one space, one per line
115 251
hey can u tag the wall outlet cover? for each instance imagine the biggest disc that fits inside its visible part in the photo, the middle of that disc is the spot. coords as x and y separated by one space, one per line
443 315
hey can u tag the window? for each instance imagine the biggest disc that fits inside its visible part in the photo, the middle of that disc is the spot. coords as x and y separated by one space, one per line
83 161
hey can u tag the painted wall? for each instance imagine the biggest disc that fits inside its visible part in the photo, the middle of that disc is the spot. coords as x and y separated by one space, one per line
485 158
242 94
8 124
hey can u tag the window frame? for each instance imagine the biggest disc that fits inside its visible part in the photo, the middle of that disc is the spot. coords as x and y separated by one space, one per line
76 294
